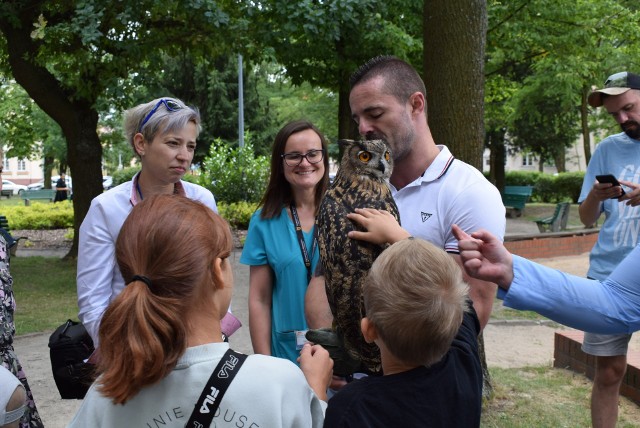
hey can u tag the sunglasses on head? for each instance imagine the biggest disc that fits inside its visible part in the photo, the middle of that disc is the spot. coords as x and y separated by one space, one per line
169 104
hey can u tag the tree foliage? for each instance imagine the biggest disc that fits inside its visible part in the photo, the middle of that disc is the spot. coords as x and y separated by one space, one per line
323 43
72 57
211 84
562 47
543 124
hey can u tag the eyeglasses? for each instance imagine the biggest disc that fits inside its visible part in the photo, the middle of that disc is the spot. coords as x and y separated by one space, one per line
295 159
170 105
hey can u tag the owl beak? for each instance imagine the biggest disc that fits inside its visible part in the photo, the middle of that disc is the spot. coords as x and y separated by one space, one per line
381 166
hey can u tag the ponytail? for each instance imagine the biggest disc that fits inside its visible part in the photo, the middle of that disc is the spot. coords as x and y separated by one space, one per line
165 250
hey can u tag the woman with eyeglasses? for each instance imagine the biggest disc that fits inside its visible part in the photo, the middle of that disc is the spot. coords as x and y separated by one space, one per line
163 135
281 247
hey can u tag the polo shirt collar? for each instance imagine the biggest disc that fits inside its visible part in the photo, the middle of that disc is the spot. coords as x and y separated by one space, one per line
437 169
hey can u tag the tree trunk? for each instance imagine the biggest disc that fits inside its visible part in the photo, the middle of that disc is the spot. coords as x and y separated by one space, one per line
48 167
455 34
454 46
77 117
560 161
584 120
541 163
347 127
497 159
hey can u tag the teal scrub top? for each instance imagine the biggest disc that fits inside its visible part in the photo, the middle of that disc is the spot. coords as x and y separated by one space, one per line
274 242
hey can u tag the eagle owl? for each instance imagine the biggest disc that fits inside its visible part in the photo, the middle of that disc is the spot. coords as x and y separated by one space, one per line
361 182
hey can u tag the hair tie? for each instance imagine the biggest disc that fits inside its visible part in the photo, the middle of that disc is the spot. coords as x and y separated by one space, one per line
141 278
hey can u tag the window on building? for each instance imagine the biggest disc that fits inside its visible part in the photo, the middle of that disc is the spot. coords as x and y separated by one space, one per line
5 164
527 160
22 165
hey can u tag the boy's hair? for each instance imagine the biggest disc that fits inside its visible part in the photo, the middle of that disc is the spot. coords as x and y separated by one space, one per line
415 297
401 80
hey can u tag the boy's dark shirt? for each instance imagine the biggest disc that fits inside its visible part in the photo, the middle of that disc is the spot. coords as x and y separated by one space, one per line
447 394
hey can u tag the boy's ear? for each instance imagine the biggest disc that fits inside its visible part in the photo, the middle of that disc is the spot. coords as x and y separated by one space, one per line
368 330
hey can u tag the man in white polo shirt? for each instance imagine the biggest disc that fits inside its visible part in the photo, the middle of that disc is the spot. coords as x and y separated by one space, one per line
432 189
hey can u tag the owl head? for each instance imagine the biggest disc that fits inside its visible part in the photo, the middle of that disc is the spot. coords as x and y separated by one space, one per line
365 160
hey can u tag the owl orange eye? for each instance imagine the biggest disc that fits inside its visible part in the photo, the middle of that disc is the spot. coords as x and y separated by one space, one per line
387 156
364 156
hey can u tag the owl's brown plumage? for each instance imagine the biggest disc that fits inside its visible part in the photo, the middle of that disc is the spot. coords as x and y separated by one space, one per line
361 182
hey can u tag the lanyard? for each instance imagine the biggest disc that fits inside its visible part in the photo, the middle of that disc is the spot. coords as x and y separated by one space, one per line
303 245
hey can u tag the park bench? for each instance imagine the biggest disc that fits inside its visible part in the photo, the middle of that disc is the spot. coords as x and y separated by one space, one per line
558 221
514 199
5 231
43 194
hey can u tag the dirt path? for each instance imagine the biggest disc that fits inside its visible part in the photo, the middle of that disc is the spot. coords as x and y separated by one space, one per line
508 345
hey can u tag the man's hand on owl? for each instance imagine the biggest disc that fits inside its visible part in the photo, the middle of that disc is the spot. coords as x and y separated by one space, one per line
380 226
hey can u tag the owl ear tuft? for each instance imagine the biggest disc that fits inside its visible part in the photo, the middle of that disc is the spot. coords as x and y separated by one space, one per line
345 143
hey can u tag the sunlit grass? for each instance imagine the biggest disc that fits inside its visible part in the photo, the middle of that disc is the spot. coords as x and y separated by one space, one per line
545 397
45 291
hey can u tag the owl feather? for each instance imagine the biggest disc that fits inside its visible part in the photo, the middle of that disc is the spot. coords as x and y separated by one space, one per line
361 182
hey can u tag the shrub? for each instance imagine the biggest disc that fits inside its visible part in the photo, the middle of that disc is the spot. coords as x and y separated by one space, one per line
235 174
123 175
522 178
549 188
40 215
237 214
569 185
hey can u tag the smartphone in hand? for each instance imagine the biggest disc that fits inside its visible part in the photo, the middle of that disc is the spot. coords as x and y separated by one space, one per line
609 178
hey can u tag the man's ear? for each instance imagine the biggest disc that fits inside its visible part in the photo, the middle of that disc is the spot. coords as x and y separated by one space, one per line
418 103
368 330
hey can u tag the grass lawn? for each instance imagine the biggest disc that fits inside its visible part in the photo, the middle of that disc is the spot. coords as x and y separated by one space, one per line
45 290
545 397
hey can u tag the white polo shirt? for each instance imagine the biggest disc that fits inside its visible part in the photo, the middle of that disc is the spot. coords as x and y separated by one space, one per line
449 192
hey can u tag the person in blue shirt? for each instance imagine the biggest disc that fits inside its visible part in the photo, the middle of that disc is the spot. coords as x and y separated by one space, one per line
281 248
609 306
617 155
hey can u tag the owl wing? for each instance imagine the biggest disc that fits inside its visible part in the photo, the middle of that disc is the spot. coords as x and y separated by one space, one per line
346 263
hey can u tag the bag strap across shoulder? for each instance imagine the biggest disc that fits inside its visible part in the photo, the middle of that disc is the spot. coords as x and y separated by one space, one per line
215 389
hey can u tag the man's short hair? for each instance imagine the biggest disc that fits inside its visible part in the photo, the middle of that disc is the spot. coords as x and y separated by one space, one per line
400 79
415 297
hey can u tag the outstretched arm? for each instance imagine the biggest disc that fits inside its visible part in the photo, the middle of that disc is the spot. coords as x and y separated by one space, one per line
485 257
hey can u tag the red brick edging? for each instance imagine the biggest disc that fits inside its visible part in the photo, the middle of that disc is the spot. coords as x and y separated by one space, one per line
546 245
567 354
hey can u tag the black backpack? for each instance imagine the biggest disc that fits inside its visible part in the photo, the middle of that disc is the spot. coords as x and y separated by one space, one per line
70 346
